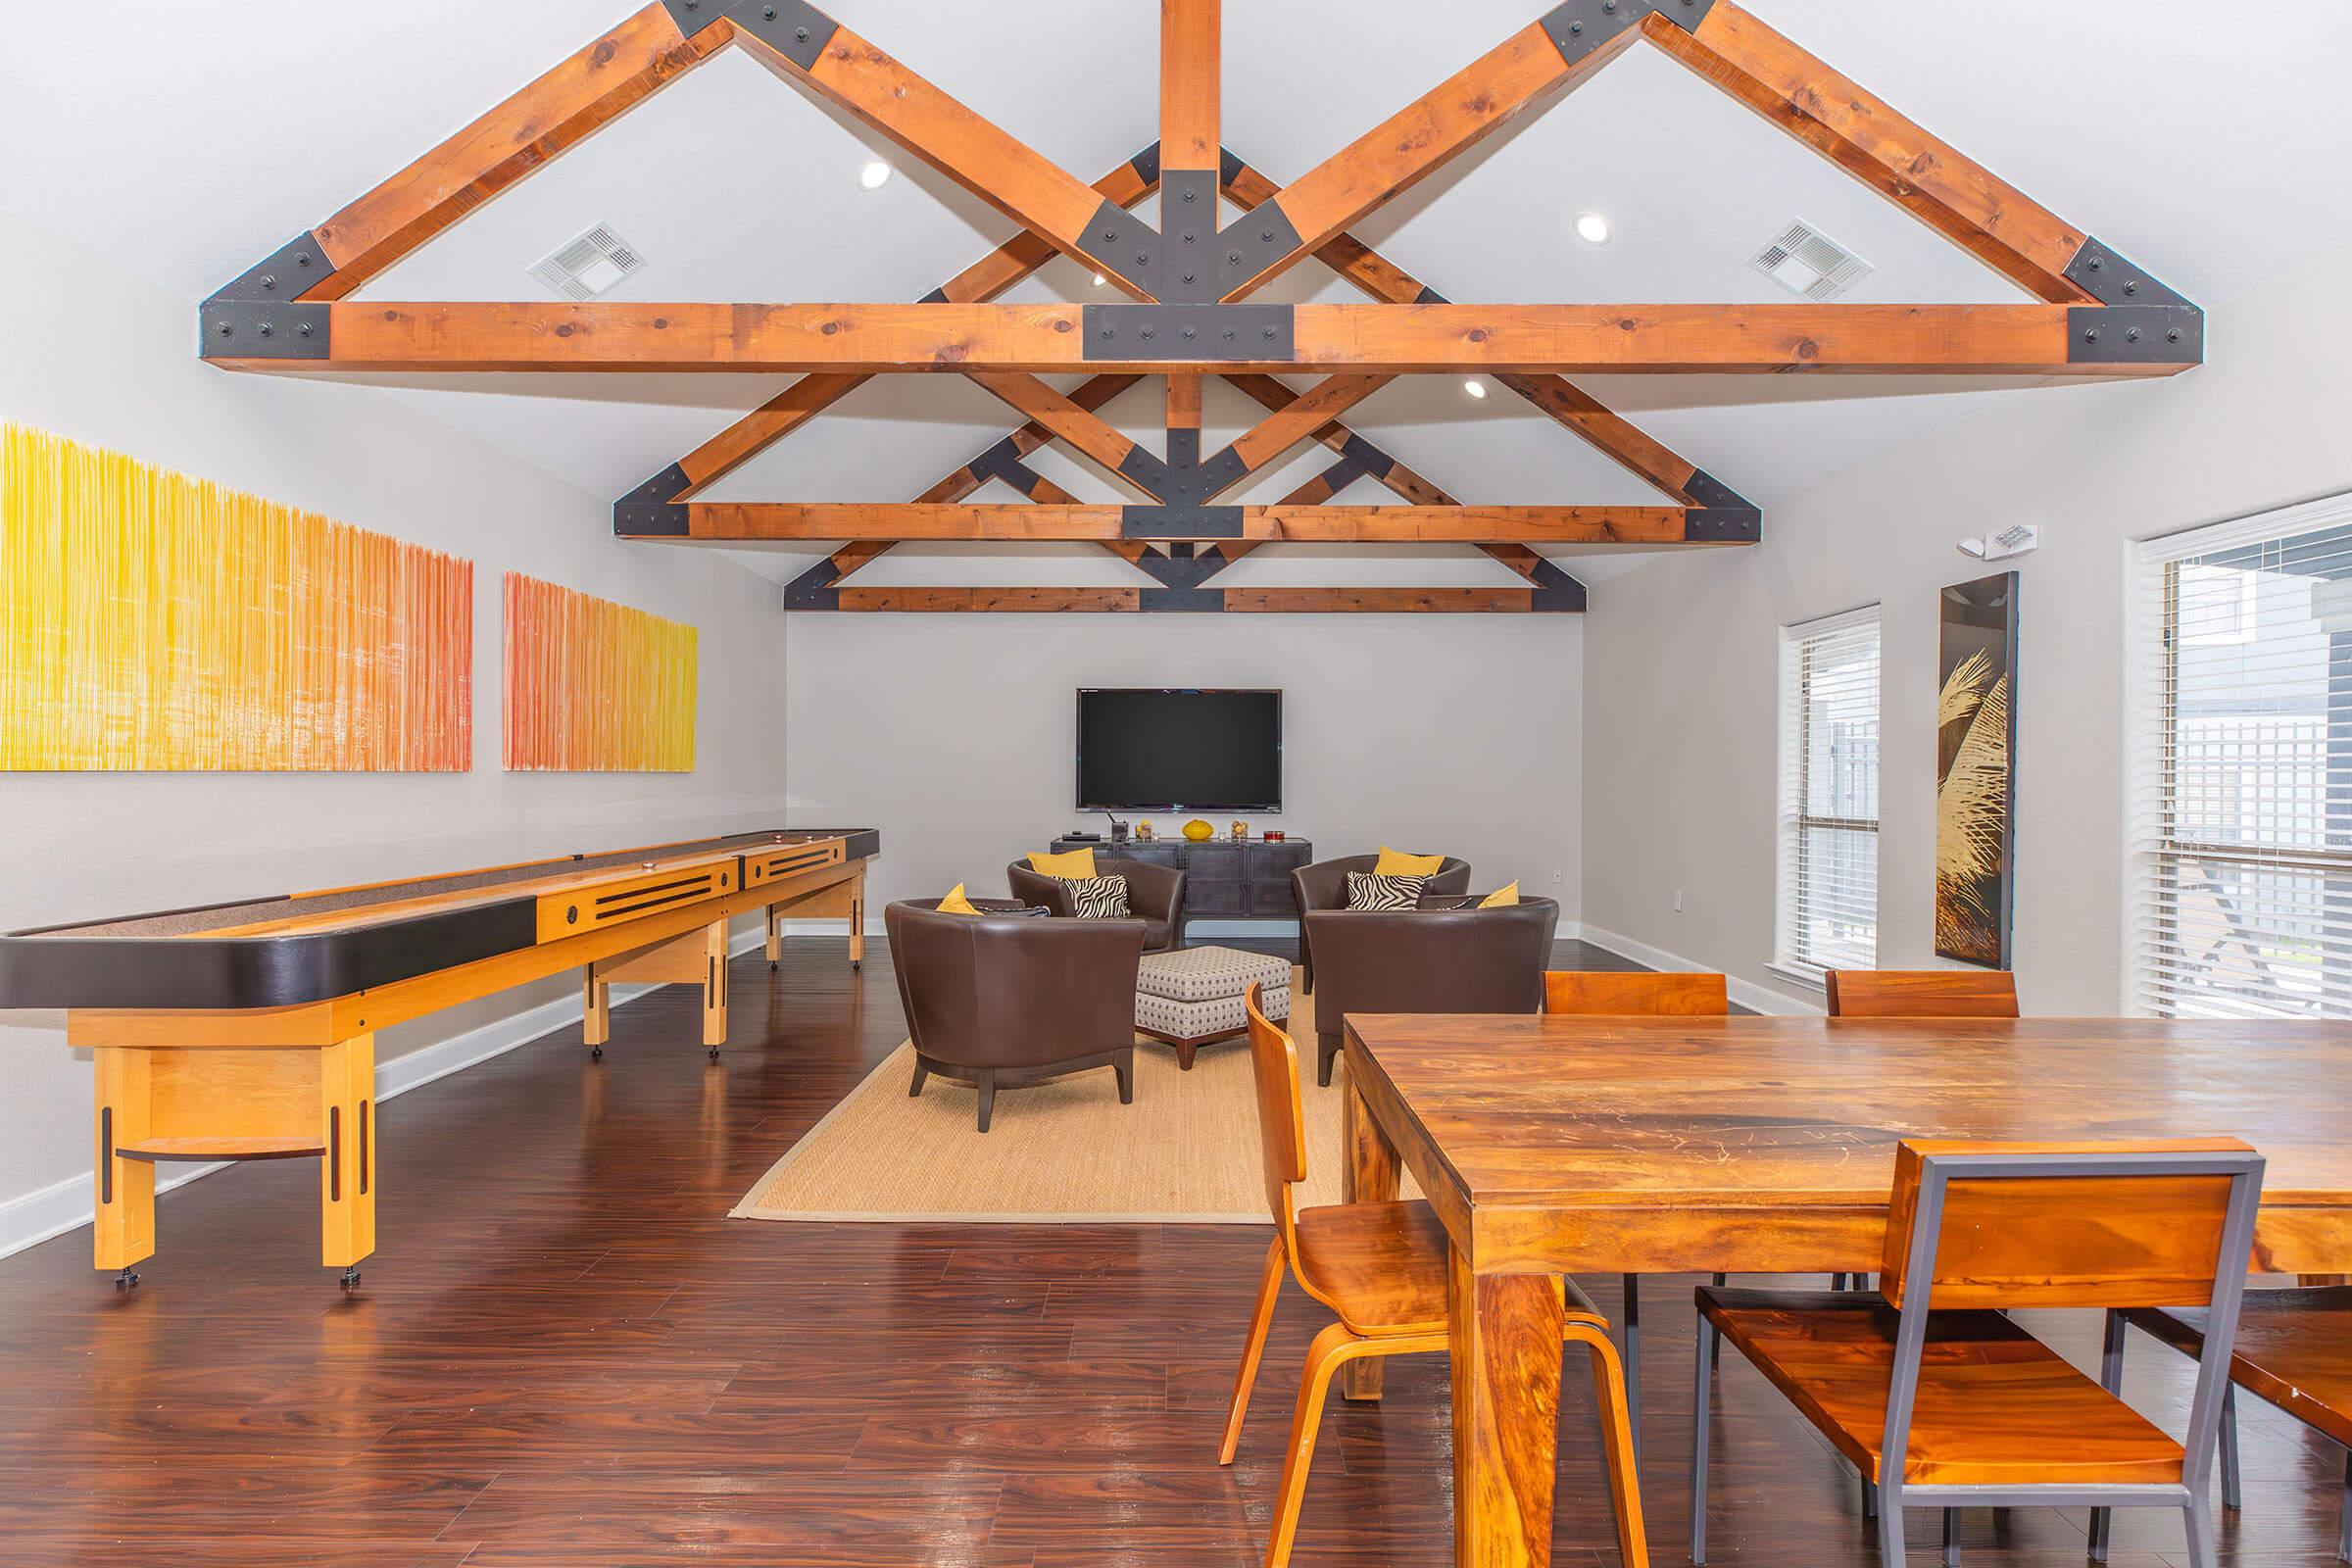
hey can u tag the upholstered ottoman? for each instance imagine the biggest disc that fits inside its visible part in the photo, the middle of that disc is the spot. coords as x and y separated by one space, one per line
1195 995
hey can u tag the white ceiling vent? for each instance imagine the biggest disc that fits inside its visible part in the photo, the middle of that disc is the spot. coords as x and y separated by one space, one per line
1804 261
589 266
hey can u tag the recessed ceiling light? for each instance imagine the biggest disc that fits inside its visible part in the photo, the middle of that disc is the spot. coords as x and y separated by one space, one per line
1477 389
1592 228
874 175
1099 281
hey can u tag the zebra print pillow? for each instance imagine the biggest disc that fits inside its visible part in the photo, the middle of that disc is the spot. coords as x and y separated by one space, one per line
1099 898
1368 891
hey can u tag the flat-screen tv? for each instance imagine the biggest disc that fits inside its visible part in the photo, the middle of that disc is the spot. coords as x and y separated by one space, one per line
1174 750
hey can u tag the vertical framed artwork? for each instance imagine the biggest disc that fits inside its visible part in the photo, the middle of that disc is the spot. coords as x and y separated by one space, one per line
594 686
150 622
1976 771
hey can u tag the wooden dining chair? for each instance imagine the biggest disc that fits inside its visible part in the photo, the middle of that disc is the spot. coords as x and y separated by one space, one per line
1645 994
1937 1396
1921 992
2294 1349
1381 1269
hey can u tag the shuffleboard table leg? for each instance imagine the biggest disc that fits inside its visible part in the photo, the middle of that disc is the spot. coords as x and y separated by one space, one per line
125 1188
596 1010
857 919
775 936
714 984
347 1170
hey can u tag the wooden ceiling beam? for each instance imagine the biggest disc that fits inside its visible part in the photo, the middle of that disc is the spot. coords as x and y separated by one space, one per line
583 92
883 93
1308 522
1562 399
1952 193
1390 339
1231 601
1403 150
1080 428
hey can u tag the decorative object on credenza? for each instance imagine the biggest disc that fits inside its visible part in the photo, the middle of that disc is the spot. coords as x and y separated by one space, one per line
594 686
1198 831
1144 833
1118 829
1273 835
1976 771
1241 831
151 622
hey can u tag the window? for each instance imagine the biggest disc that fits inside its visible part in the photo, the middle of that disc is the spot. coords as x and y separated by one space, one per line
1829 834
2243 769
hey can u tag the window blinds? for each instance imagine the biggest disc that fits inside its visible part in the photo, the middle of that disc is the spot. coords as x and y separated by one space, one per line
1829 819
2241 771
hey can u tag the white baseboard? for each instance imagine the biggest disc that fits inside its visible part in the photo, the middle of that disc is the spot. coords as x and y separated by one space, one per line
1745 992
62 1206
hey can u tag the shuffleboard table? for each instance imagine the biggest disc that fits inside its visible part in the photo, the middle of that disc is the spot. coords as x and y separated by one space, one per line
247 1030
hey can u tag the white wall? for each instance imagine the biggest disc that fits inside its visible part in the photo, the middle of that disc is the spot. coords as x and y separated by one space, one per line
1451 733
1682 709
108 359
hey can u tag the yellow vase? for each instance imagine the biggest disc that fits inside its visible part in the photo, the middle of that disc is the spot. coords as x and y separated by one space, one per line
1198 831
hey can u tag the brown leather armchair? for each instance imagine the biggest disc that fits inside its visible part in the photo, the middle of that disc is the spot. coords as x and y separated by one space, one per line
1427 961
1001 998
1324 885
1154 893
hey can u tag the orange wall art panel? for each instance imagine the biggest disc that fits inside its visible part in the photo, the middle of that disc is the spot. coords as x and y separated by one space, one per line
153 621
593 686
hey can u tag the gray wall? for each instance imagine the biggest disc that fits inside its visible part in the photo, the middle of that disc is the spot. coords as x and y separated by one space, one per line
1682 701
1454 733
106 358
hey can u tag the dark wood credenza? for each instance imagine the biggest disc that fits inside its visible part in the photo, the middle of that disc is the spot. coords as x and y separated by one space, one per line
1223 879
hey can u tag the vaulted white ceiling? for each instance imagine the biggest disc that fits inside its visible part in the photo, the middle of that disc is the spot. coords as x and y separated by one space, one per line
187 141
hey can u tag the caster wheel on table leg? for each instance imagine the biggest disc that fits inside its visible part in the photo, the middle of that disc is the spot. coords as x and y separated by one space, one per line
127 1280
596 1053
713 1052
351 1278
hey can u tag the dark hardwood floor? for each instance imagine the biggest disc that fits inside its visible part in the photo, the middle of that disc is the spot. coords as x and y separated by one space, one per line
564 1353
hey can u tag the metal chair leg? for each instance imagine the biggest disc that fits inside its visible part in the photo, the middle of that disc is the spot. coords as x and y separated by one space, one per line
1715 1358
1951 1537
1870 1497
1628 1350
1890 1526
2343 1518
1710 1344
2111 1378
2232 1482
2199 1515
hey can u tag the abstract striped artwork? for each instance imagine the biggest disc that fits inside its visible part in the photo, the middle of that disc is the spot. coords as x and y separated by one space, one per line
593 686
153 621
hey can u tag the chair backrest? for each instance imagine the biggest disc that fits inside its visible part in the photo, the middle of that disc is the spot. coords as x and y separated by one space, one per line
1602 993
1281 1116
1005 989
1921 992
1428 960
1987 1224
1990 1225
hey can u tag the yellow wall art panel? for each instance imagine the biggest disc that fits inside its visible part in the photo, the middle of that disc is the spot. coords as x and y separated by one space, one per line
595 687
149 620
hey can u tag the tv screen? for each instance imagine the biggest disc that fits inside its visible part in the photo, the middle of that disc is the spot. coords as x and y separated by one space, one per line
1142 750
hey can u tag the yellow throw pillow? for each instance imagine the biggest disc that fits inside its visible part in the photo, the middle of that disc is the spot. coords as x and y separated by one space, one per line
955 902
1077 866
1500 897
1395 862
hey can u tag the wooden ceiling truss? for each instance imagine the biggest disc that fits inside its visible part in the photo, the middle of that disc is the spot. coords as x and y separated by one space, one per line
1188 281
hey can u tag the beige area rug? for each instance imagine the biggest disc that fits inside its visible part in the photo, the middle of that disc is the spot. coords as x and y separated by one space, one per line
1058 1153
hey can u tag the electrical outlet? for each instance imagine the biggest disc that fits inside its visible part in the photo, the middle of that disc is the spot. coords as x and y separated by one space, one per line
1555 873
1677 901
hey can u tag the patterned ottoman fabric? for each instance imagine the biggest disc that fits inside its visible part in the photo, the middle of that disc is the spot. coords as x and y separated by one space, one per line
1200 1020
1207 974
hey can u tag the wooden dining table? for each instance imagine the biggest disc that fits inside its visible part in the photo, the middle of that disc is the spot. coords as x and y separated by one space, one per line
1575 1145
